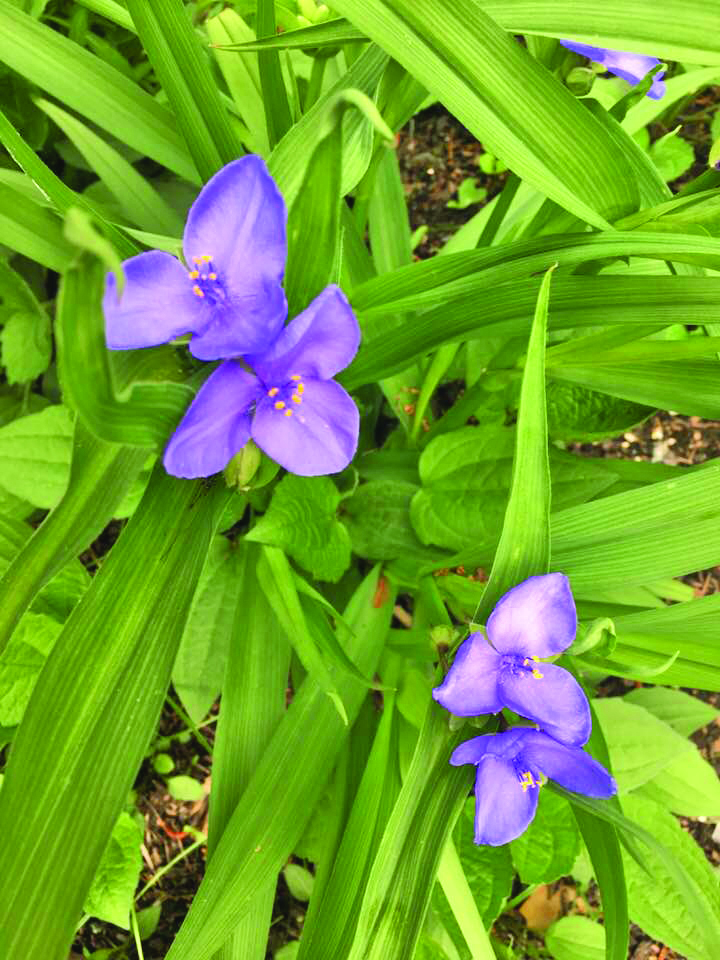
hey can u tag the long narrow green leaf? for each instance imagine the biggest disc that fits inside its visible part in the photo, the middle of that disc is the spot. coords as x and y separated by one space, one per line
603 844
685 30
439 280
314 223
332 33
456 888
290 158
33 230
92 87
505 98
524 548
91 715
272 812
276 578
389 234
142 204
141 414
330 924
100 476
172 45
665 529
112 11
622 26
403 874
277 106
253 703
62 197
241 75
578 301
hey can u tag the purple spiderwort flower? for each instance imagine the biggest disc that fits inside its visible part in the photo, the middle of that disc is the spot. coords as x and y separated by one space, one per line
292 409
510 768
229 296
535 619
630 66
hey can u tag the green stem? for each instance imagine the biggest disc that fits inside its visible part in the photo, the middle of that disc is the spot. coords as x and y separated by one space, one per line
438 368
523 895
315 85
157 877
191 726
500 208
136 932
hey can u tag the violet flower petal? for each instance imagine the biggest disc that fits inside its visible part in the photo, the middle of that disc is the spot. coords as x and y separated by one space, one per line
505 744
632 67
216 425
241 323
571 767
504 806
551 697
235 236
315 437
318 343
156 305
536 618
471 685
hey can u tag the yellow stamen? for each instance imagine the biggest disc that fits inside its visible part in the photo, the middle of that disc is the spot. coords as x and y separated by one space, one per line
194 274
525 662
288 413
296 398
212 276
197 291
206 258
197 259
537 674
301 388
527 781
280 405
296 377
273 391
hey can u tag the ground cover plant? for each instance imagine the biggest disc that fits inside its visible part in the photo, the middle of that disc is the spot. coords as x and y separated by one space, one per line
354 601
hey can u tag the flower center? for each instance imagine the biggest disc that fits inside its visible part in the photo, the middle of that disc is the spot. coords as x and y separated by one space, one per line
289 396
527 779
206 283
526 664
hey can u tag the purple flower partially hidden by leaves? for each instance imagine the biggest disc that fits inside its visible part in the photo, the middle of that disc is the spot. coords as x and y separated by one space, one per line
535 619
630 66
229 293
510 771
292 409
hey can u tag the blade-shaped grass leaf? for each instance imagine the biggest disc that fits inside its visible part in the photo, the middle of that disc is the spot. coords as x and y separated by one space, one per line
92 713
275 96
143 413
95 89
174 50
524 547
100 476
505 98
253 704
270 817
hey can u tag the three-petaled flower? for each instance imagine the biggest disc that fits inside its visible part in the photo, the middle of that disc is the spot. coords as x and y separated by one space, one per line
535 619
229 297
510 771
630 66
